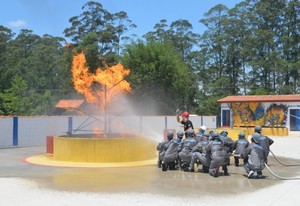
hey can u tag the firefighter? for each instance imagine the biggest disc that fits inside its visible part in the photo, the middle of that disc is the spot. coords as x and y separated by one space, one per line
162 147
256 157
186 148
200 155
218 154
200 133
171 157
239 147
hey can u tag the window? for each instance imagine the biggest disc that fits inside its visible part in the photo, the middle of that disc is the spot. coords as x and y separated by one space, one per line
294 119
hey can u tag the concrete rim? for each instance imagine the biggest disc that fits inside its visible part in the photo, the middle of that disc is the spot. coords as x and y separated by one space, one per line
48 160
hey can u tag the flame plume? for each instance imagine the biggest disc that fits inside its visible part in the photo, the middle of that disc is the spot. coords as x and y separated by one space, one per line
99 87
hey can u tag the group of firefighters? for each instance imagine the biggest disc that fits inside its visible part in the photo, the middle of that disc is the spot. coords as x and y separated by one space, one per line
212 150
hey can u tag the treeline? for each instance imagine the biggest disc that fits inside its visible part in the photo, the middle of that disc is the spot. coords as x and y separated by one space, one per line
253 48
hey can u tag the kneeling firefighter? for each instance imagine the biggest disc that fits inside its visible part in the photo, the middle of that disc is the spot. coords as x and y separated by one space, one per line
219 155
171 158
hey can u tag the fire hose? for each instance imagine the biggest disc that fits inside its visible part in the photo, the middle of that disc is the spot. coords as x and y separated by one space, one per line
280 162
280 177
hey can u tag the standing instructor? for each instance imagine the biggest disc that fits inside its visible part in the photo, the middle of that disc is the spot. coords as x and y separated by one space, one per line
187 124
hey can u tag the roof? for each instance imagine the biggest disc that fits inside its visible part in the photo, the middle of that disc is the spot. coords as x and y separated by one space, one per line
69 104
261 98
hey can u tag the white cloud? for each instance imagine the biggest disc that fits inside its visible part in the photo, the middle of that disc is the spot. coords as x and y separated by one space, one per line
17 23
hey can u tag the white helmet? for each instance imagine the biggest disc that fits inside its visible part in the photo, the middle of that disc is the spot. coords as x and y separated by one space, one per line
203 127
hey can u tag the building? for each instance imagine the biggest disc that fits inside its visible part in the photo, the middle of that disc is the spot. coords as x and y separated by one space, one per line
269 111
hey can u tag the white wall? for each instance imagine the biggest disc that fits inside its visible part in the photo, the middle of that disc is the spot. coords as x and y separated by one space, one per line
32 131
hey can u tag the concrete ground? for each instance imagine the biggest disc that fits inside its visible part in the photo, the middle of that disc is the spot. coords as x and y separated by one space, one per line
25 184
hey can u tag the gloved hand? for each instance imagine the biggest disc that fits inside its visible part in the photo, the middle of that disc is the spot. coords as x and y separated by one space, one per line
178 112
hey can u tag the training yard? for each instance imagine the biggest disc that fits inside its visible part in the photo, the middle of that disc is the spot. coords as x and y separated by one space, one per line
26 184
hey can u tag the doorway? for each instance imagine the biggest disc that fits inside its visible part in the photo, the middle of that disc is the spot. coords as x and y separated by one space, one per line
294 119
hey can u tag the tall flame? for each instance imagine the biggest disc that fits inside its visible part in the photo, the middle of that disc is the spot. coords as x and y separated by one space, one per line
102 86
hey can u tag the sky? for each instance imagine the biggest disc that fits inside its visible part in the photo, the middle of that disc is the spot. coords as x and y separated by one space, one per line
52 16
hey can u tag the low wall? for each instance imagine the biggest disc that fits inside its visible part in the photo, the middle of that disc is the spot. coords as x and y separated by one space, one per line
103 150
33 130
275 131
233 133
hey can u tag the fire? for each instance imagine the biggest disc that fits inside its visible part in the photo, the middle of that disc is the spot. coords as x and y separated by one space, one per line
102 86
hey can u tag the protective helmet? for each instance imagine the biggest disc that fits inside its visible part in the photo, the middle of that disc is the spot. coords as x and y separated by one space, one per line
255 137
185 114
206 134
215 135
224 132
203 128
190 133
257 129
180 134
242 135
170 135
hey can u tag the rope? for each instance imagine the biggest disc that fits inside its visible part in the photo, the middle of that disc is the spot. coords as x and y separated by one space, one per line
287 165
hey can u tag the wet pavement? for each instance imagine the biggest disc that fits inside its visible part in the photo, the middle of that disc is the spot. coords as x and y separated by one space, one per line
150 180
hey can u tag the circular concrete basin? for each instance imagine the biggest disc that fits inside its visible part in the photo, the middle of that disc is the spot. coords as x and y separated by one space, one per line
100 149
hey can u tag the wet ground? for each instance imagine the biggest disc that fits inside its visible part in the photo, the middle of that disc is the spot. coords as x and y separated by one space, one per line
147 180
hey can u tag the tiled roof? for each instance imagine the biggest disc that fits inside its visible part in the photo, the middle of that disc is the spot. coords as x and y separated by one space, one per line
261 98
69 104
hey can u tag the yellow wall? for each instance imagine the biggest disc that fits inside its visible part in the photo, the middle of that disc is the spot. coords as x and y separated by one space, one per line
274 131
233 133
103 149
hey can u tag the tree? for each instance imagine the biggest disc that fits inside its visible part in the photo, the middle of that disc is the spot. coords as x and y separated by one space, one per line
220 71
15 100
268 30
158 76
179 34
5 37
102 29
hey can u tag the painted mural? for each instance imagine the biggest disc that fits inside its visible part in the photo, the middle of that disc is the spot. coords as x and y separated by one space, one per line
247 114
254 113
276 115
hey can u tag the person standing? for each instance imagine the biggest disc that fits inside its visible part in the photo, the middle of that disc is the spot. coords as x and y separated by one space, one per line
264 141
187 124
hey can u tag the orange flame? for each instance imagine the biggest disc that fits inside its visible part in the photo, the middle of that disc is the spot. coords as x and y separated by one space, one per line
102 86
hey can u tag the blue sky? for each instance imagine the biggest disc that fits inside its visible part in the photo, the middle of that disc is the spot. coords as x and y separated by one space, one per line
52 16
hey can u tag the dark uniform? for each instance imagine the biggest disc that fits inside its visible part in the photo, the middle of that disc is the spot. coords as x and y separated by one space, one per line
171 157
200 133
256 157
186 148
218 154
200 155
162 148
187 124
239 147
264 141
